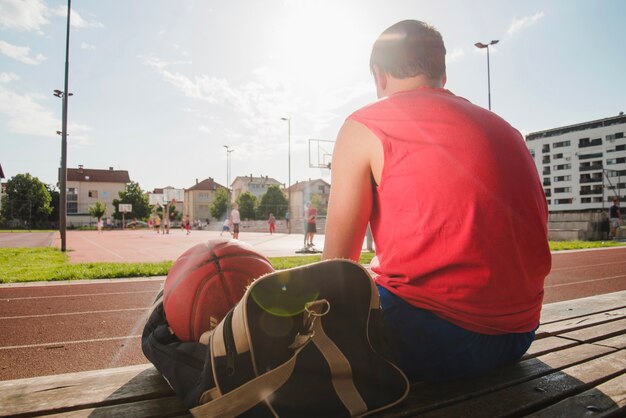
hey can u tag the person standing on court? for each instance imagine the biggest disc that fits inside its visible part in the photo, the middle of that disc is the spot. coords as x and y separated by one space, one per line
311 224
235 220
272 223
456 209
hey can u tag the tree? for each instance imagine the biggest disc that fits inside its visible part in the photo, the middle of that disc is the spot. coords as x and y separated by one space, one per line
98 210
219 204
247 202
56 197
273 201
27 201
136 197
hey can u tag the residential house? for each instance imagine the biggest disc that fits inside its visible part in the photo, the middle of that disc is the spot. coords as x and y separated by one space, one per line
257 186
87 186
315 191
198 199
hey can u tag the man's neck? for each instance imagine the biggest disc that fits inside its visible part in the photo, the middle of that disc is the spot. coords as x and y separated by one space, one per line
395 85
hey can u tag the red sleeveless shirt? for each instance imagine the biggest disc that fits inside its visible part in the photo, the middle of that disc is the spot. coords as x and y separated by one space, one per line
459 217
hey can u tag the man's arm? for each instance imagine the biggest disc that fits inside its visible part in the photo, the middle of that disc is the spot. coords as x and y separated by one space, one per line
356 152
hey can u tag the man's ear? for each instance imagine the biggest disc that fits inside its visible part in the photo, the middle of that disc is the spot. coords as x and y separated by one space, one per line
380 77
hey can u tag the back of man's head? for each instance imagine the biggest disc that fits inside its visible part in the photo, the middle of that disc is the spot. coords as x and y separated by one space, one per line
410 48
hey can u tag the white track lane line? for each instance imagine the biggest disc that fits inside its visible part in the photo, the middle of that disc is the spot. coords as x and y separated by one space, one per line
585 281
80 295
587 266
76 313
63 343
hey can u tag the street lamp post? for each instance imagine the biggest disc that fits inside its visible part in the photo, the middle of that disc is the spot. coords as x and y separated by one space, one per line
63 175
228 151
480 45
289 170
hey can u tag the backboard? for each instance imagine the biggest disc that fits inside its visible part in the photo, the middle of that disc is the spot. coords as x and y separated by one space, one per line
320 153
155 199
125 207
173 194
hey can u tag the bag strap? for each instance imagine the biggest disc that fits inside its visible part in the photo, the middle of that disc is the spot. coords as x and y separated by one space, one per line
251 393
241 399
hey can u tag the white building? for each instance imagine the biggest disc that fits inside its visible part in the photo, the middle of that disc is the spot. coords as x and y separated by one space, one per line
582 166
86 186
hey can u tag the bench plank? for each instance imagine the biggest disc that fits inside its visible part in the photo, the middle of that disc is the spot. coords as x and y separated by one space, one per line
599 332
539 393
573 324
156 408
559 311
546 345
429 396
618 342
601 401
72 391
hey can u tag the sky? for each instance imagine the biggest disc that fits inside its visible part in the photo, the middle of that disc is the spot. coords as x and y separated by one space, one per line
159 87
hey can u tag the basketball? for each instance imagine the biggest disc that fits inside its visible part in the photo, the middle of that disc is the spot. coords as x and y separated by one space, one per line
206 281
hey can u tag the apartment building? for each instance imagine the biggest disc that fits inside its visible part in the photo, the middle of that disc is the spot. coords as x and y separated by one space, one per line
86 186
582 166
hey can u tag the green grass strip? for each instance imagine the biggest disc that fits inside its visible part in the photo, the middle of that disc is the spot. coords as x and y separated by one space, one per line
582 245
48 264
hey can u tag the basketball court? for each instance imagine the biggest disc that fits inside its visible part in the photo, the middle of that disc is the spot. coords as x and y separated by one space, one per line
148 246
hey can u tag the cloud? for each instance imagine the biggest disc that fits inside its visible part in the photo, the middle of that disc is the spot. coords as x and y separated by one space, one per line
454 55
26 116
8 77
27 15
519 24
85 45
256 106
32 15
76 20
20 53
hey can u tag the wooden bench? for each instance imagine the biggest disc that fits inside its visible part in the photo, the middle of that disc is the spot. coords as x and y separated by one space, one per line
576 367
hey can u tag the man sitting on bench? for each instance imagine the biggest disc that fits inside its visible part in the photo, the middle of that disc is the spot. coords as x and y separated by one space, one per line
456 209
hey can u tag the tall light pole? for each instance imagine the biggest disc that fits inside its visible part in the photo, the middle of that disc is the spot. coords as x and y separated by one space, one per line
480 45
289 170
64 95
228 151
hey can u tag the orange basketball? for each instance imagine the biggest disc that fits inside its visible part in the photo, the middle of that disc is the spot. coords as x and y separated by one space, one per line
206 281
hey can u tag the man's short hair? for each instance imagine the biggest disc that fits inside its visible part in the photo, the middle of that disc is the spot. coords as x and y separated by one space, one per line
410 48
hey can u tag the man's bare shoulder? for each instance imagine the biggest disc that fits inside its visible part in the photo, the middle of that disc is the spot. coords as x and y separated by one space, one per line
356 144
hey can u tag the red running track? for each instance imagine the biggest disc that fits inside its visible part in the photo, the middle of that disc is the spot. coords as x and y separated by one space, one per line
51 328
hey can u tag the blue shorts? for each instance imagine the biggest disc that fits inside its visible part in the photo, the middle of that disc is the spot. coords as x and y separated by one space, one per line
429 348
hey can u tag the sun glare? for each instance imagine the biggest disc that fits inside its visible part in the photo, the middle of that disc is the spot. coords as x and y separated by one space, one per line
321 44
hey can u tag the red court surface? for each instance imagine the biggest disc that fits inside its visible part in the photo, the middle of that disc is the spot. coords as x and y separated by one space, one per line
50 328
148 246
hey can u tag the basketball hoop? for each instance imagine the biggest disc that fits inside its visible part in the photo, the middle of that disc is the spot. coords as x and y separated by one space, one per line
320 153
